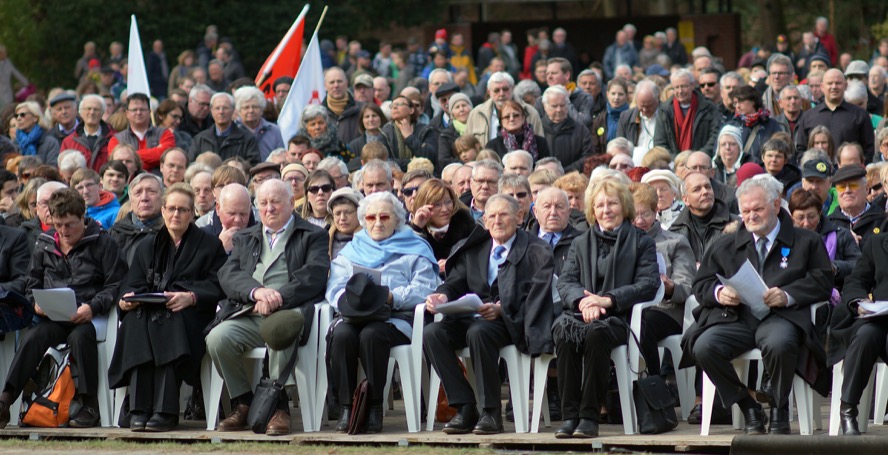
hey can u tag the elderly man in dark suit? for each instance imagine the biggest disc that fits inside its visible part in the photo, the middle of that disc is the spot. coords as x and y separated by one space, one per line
796 269
511 271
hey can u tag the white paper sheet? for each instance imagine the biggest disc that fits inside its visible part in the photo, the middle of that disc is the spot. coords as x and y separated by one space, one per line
661 263
468 303
58 304
749 284
877 308
375 274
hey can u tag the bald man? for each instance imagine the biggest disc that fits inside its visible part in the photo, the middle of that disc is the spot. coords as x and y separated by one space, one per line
702 163
846 122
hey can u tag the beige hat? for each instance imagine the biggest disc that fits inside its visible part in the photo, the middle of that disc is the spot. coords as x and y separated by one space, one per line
294 167
664 176
353 195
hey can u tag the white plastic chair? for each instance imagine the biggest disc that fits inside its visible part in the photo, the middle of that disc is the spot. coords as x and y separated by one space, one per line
106 351
865 399
305 376
881 392
325 318
409 360
518 368
804 394
627 362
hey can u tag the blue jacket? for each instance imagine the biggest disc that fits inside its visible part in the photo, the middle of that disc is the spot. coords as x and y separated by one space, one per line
105 212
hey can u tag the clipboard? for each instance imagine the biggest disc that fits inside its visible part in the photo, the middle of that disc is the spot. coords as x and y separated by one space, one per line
147 298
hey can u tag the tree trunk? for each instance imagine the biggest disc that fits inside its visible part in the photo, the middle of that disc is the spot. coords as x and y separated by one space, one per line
771 21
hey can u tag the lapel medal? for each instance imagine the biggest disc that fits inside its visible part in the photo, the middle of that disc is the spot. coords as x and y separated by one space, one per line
784 262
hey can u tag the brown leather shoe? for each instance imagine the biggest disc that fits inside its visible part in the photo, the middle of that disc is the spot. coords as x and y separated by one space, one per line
279 424
237 420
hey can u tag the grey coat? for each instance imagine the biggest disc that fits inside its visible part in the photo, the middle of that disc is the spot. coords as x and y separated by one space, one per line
680 268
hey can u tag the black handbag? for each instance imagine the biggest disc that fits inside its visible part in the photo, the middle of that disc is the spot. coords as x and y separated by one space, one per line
265 398
654 402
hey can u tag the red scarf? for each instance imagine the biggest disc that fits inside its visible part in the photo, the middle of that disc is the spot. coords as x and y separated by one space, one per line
684 124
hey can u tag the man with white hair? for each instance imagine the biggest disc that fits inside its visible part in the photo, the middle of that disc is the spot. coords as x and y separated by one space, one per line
590 82
559 72
876 82
687 121
821 31
518 162
484 183
796 270
376 177
279 267
639 123
34 227
91 136
569 140
621 162
561 48
619 145
623 72
727 83
197 116
846 122
437 78
233 213
621 52
674 48
483 121
226 138
249 102
791 107
337 169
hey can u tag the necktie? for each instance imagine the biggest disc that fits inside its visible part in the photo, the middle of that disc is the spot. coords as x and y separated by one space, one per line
272 236
495 262
762 243
549 237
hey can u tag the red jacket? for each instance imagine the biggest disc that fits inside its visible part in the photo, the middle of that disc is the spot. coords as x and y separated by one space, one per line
829 43
98 155
150 147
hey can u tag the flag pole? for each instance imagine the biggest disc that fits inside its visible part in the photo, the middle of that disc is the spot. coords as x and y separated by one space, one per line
280 47
321 19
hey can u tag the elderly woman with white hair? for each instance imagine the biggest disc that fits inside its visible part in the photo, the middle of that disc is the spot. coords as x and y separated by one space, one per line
69 162
408 272
568 141
31 134
316 125
459 106
249 103
856 94
668 188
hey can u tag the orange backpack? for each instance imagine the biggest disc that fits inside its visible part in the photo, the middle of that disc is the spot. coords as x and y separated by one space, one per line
48 398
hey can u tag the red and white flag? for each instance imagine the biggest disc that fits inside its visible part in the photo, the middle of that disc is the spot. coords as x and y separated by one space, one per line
284 61
308 88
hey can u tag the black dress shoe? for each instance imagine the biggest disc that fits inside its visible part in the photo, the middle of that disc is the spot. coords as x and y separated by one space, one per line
138 421
696 415
374 419
848 415
779 420
344 417
755 420
567 428
86 418
161 421
4 415
464 421
491 422
587 428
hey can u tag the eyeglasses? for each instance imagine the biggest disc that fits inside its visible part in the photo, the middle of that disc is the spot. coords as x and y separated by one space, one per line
343 213
382 217
175 117
177 210
780 73
511 116
408 191
294 179
844 186
400 105
708 84
442 204
485 182
317 189
520 195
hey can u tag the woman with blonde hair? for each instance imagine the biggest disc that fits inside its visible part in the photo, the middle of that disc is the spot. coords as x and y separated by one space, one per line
32 134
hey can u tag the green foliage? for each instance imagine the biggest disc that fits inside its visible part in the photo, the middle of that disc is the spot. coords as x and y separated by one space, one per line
45 37
880 30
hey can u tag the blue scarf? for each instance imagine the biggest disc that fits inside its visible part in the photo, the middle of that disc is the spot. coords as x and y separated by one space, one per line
366 252
27 142
613 119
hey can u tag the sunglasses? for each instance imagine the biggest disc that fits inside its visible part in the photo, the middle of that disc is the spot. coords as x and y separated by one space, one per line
841 187
520 195
708 84
382 217
875 188
317 189
21 115
408 191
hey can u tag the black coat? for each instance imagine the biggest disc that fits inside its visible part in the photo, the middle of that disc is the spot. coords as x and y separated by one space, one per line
808 279
868 280
423 143
847 250
498 145
461 225
128 235
347 122
705 127
714 229
523 286
869 223
172 336
308 264
240 143
446 155
14 258
635 279
92 269
32 229
568 141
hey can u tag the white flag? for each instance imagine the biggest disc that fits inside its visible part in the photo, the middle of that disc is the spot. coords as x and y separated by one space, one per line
307 88
136 76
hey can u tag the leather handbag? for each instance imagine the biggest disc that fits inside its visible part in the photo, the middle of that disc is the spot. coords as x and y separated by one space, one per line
358 417
266 397
654 405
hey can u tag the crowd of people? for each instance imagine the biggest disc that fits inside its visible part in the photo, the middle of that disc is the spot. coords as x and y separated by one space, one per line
652 168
